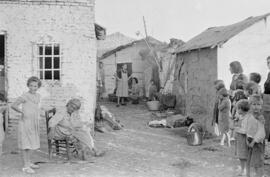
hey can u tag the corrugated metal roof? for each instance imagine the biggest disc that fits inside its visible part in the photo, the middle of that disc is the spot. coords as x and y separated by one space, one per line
150 40
111 42
218 35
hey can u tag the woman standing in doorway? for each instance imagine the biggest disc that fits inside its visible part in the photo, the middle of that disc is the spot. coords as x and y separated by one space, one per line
122 85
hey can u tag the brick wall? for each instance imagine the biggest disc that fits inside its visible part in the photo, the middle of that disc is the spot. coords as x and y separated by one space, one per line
201 70
28 23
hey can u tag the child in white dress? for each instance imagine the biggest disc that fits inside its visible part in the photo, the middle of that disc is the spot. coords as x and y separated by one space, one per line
28 126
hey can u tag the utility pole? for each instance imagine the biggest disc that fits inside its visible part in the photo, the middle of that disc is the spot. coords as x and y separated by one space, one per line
150 48
145 29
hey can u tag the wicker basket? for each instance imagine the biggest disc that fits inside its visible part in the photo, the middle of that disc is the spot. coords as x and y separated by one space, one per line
153 105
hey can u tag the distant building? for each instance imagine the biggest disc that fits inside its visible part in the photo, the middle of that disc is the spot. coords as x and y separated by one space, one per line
138 58
206 57
111 42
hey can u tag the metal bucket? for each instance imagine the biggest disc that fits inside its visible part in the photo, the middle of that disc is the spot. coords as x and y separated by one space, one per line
194 135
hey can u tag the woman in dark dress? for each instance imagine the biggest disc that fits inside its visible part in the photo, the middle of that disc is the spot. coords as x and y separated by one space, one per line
266 102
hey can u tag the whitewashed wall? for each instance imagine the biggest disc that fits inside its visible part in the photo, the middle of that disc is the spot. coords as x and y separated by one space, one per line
71 24
250 47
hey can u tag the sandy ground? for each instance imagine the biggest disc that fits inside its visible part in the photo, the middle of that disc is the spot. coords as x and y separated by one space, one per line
135 151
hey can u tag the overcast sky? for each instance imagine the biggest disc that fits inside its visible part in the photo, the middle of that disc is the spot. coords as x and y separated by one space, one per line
182 19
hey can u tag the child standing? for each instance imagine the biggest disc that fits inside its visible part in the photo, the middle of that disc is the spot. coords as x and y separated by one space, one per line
238 95
218 84
224 108
28 127
3 107
256 78
251 88
241 148
255 137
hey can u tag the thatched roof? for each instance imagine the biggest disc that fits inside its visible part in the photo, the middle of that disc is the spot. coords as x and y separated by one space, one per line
219 35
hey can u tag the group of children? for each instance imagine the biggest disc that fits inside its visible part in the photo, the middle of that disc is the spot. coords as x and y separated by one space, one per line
239 116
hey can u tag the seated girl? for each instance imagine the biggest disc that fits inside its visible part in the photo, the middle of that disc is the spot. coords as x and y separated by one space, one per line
67 123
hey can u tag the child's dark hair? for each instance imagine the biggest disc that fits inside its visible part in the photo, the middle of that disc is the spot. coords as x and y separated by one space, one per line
34 79
219 86
223 92
218 81
136 80
240 84
251 88
243 105
2 97
255 77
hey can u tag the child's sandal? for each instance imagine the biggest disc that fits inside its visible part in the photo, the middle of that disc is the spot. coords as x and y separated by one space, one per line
28 170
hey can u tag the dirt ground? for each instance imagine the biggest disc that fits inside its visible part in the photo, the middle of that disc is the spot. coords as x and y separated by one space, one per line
135 151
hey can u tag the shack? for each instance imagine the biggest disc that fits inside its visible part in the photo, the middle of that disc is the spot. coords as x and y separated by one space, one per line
206 57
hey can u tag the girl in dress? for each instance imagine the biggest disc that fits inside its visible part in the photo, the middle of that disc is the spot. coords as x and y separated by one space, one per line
255 137
241 148
122 85
218 84
224 108
28 126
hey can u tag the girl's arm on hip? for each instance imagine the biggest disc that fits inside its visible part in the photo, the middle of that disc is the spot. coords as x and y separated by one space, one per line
17 103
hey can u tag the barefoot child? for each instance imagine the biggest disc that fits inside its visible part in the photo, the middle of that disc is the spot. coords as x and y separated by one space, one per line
28 127
3 107
241 148
224 108
255 137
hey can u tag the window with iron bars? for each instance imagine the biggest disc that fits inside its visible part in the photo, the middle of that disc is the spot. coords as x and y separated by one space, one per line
49 57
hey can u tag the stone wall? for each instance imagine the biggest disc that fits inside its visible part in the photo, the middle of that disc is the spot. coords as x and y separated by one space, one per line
67 23
200 68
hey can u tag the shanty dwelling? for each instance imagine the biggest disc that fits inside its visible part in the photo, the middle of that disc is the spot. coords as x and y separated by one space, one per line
167 59
207 56
136 55
54 40
111 42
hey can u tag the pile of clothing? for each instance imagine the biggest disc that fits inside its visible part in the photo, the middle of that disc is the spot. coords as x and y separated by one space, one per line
105 120
173 121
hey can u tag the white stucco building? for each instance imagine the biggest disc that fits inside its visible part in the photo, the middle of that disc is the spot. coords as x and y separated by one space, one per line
54 40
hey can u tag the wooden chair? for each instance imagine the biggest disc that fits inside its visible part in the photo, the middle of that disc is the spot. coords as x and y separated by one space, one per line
60 147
